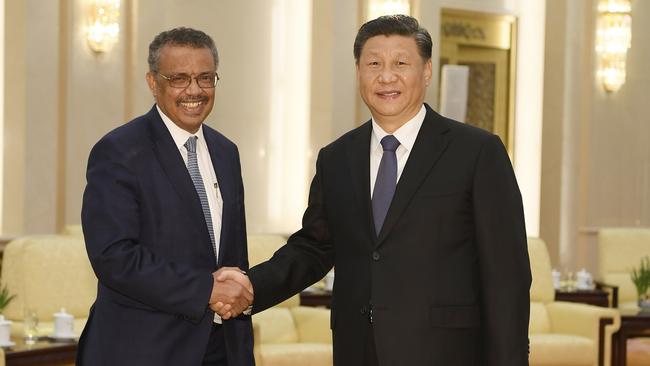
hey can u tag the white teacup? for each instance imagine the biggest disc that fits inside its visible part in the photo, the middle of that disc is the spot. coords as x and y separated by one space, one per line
63 325
585 281
556 275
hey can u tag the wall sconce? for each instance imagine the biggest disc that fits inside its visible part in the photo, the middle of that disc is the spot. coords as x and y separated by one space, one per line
613 39
103 24
377 8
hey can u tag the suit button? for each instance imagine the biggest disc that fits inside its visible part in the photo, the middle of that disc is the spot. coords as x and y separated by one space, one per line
375 256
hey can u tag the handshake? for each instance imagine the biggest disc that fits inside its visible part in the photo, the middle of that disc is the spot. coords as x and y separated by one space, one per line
232 292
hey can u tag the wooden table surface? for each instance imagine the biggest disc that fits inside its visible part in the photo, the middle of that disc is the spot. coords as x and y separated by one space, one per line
45 352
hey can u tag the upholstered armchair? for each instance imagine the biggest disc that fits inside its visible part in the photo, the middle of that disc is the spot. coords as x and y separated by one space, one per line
75 230
48 273
288 334
619 251
563 333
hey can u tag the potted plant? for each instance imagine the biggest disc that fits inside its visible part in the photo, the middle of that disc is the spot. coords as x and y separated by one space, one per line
5 298
641 279
5 325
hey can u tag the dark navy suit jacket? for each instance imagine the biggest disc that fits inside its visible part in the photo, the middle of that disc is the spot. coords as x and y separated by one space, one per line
149 246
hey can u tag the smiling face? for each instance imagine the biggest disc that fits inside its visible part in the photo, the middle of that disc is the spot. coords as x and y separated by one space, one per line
186 107
392 79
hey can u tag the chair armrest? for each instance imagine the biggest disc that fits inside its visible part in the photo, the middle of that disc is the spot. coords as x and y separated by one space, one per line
614 291
585 320
580 319
313 324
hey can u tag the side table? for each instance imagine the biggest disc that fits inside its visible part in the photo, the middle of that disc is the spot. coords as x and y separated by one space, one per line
316 298
634 323
592 297
42 353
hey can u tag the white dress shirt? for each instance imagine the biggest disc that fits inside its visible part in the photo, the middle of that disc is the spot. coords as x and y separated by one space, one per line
208 175
206 168
406 136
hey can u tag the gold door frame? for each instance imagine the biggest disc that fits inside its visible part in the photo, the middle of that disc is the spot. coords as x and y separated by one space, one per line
490 33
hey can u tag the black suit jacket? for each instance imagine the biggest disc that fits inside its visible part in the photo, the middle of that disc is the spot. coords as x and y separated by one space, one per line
149 246
448 276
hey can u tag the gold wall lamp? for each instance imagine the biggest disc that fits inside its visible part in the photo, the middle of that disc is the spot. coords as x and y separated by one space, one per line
103 24
613 39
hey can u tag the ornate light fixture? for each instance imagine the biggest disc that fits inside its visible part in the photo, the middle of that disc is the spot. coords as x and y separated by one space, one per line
613 39
377 8
103 24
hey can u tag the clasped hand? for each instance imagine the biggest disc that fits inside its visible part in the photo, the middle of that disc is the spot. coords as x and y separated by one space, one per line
232 292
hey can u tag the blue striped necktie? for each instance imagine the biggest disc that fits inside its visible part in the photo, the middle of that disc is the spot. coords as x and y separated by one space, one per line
386 182
195 174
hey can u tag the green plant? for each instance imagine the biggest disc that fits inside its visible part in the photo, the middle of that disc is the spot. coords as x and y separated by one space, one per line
641 279
5 298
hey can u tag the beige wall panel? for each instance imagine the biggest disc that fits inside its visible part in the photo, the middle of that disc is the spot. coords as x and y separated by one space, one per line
322 83
42 117
13 210
334 87
552 127
342 70
620 156
94 104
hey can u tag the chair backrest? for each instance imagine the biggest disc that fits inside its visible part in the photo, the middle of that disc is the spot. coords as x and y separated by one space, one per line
541 289
619 251
276 324
261 248
48 273
72 230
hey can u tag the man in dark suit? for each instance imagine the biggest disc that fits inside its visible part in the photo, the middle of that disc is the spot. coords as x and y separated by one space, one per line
162 210
421 217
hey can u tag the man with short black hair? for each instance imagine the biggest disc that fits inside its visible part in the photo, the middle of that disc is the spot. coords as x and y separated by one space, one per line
163 209
422 218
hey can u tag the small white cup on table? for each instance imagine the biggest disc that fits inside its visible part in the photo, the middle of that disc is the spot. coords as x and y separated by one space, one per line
63 325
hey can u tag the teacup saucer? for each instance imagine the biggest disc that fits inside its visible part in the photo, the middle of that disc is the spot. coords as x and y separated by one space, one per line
63 337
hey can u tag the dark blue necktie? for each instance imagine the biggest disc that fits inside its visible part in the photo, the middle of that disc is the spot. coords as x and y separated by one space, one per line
385 182
195 174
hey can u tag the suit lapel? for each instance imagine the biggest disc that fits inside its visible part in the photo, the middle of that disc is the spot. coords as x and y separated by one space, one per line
221 167
358 154
429 145
172 163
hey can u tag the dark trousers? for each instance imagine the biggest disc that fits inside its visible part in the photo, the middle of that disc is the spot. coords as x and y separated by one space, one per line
370 358
215 353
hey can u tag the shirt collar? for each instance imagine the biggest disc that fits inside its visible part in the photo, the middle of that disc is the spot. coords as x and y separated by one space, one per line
179 135
406 134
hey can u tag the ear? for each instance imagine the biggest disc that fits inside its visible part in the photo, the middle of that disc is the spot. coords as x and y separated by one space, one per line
428 71
357 73
151 81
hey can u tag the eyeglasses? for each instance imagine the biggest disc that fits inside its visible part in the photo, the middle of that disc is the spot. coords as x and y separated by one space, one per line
206 80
